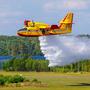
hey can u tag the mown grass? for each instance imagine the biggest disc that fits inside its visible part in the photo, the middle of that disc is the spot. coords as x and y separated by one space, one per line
53 81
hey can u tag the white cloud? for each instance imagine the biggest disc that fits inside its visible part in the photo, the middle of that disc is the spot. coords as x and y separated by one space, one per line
66 4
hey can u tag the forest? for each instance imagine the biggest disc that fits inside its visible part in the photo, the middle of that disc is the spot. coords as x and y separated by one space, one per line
23 48
42 66
19 46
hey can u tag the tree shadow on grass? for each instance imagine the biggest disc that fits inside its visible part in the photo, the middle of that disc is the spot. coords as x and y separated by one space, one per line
81 84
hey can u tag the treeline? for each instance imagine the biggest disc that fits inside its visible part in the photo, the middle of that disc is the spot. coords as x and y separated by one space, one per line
26 65
19 46
42 66
81 66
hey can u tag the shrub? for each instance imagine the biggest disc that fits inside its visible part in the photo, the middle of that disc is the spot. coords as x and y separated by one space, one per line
35 81
2 80
12 79
16 79
26 80
1 75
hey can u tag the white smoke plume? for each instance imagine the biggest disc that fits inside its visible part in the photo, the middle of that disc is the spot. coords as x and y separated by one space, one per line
63 50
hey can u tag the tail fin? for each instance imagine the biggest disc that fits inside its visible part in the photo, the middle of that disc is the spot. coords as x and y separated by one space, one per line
66 23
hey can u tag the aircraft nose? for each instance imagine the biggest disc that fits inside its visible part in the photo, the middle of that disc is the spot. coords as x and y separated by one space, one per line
23 29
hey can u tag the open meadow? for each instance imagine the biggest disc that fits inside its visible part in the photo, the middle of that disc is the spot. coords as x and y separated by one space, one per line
53 81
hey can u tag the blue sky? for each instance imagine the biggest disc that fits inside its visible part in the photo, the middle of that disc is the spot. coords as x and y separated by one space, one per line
14 12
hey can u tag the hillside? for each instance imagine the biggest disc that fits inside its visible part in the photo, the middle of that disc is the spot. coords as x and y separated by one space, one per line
17 46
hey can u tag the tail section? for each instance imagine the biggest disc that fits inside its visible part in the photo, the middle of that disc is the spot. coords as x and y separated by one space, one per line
66 22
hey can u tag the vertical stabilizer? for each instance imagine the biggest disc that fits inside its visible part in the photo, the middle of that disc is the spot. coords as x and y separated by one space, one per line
66 22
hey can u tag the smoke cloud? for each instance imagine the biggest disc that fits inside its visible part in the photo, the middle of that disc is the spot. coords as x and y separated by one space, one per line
63 50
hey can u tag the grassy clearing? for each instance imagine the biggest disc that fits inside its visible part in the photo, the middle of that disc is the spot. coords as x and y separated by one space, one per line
53 81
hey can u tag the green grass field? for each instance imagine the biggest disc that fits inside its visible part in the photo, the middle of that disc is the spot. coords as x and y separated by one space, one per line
53 81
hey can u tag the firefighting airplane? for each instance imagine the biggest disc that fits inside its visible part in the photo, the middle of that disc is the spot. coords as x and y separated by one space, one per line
35 29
